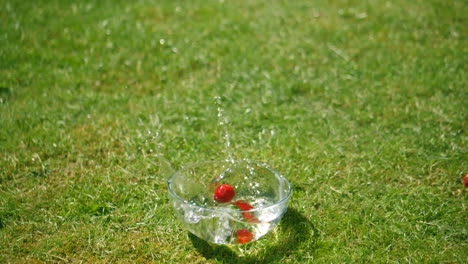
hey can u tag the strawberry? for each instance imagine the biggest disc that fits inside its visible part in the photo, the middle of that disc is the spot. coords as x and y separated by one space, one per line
465 180
243 205
244 236
246 207
224 193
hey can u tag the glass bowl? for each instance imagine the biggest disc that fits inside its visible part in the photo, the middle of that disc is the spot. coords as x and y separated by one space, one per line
260 199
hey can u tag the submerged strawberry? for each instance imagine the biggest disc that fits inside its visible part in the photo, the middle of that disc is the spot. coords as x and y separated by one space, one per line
246 207
244 236
224 193
243 205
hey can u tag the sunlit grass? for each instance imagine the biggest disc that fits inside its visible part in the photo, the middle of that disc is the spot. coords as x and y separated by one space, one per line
361 104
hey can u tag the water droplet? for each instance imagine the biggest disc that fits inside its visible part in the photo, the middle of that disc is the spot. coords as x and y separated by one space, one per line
223 122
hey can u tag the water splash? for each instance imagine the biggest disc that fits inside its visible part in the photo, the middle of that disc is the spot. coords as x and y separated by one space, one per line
154 146
224 122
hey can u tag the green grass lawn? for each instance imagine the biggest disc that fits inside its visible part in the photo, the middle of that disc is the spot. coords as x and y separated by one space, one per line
362 105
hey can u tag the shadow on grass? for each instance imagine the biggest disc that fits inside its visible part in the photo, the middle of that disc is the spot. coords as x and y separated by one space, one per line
294 236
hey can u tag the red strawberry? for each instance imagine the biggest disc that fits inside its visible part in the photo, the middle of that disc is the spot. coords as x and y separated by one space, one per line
465 180
224 193
244 236
243 205
246 207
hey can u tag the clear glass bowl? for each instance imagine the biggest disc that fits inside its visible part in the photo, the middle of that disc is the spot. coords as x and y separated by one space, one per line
260 201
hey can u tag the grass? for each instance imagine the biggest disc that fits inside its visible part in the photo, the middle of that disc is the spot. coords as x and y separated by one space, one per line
361 104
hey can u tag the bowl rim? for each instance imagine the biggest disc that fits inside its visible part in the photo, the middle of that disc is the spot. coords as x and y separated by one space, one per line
262 164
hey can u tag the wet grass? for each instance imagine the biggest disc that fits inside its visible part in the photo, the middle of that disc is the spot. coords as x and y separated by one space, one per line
361 104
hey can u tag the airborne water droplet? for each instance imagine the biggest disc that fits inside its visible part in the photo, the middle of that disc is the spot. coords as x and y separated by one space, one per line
223 122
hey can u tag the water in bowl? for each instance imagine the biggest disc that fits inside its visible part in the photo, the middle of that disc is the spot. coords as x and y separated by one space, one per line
259 204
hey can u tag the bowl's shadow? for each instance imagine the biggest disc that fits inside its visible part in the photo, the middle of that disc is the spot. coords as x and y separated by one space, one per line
287 239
